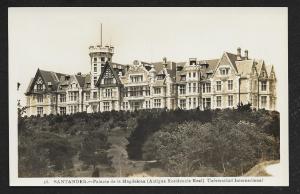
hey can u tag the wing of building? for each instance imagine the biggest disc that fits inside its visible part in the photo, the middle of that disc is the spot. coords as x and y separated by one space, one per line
224 82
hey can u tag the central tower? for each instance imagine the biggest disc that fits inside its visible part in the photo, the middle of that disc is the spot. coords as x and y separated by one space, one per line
98 56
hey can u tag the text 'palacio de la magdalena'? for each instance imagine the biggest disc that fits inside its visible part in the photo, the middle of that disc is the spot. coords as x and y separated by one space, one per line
225 82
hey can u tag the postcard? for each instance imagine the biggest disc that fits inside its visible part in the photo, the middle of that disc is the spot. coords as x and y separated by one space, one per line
140 96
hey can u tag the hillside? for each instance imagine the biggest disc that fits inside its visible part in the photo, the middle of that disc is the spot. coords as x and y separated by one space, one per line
182 143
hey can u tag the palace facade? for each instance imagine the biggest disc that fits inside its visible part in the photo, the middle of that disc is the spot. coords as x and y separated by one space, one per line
224 82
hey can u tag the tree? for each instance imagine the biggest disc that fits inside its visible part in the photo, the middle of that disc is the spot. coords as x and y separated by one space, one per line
93 149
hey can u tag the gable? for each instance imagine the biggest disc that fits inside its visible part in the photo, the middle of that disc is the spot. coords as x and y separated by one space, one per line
108 77
224 64
73 83
263 72
37 84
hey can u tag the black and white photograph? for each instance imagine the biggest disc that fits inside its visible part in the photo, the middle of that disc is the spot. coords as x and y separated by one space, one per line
140 96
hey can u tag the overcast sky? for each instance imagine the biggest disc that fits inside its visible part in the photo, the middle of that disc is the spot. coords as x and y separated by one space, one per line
57 39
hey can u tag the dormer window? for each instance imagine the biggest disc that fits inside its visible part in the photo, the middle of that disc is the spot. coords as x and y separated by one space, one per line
183 78
224 71
160 77
193 61
136 78
179 68
39 87
108 80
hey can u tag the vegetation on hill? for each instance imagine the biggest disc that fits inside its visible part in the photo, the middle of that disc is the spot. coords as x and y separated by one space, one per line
184 143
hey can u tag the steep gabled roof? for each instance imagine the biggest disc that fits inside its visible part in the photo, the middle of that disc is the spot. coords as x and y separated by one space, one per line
245 67
80 80
29 86
259 64
47 77
269 69
212 64
232 58
116 76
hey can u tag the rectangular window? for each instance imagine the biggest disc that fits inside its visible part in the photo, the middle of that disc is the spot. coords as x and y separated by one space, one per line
95 59
108 80
108 93
263 101
40 111
219 101
136 91
230 84
206 88
194 87
102 59
194 74
157 103
224 71
230 100
106 106
182 103
206 103
160 77
39 87
190 87
75 109
87 95
157 90
40 98
125 105
95 67
95 80
62 98
219 86
194 102
264 86
190 74
95 95
182 89
147 103
136 78
147 90
62 110
73 96
182 77
190 102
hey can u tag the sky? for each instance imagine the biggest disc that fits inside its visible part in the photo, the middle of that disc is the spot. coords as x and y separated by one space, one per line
57 39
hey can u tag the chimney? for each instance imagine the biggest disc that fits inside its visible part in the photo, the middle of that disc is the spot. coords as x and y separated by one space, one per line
165 62
246 54
238 53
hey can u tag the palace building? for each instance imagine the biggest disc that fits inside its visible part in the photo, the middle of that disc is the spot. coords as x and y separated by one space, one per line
225 82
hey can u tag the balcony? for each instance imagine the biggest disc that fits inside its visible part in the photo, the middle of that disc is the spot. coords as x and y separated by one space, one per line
39 90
